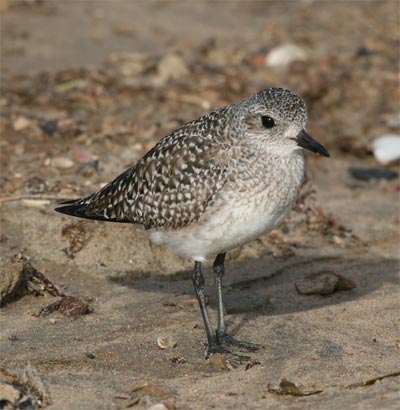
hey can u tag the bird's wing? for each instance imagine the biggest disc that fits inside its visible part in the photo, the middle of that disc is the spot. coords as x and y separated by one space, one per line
170 187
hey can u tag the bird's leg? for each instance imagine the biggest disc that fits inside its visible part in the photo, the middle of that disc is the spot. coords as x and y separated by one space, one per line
198 284
219 271
221 336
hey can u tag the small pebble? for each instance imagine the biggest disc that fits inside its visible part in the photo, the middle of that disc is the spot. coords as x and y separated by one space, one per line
323 283
49 126
20 123
370 174
62 162
82 155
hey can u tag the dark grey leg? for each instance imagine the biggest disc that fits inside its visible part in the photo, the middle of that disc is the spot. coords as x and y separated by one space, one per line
198 284
221 336
219 271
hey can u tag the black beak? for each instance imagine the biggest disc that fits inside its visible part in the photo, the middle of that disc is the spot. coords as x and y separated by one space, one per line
305 141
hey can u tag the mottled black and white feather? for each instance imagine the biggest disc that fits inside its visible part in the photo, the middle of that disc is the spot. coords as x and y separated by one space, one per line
158 190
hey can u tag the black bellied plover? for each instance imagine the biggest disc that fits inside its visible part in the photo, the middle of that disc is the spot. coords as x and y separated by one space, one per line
214 184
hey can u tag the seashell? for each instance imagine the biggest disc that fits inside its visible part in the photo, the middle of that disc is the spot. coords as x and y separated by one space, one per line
284 55
386 149
166 342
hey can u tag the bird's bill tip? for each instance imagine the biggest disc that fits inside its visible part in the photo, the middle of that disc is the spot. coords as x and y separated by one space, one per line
307 142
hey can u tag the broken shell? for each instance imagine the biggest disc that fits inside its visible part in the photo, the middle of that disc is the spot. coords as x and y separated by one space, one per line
166 342
159 406
387 149
284 55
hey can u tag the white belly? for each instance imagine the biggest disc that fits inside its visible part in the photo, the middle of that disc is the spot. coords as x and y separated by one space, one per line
226 228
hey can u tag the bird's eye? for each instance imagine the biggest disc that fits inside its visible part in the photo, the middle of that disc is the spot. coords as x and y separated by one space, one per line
267 122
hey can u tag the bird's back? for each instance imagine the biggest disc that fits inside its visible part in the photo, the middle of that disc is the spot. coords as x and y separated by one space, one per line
158 191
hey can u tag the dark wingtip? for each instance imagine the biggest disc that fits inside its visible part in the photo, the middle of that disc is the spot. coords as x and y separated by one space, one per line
78 209
70 208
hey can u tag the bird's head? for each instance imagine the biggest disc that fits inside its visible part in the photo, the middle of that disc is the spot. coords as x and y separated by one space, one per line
274 119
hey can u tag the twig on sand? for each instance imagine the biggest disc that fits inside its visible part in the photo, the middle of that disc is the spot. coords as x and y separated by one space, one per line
32 198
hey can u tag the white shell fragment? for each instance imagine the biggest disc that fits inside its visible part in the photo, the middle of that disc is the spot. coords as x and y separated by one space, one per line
166 342
284 55
158 406
62 162
35 203
387 148
20 123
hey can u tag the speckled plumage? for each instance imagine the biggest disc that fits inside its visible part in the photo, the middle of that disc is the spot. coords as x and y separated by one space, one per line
174 183
213 184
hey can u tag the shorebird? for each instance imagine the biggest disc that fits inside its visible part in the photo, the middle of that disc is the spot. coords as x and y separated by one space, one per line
214 184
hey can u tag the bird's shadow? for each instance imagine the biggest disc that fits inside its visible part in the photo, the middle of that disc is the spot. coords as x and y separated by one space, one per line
266 286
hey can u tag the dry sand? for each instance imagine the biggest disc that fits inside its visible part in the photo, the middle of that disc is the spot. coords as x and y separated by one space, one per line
344 347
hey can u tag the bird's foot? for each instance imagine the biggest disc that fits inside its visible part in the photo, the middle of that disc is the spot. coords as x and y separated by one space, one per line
217 349
226 339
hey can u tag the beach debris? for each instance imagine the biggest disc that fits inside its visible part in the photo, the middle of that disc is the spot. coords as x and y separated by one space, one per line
178 360
62 162
35 203
288 387
21 122
371 174
77 235
284 55
49 127
220 363
372 381
170 67
145 393
323 283
39 282
386 149
68 306
166 342
36 386
251 364
159 406
29 391
13 279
